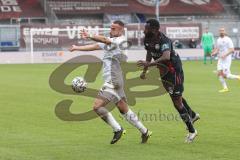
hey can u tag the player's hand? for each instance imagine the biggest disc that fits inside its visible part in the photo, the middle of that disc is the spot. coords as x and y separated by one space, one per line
223 56
143 75
73 48
213 54
143 63
84 34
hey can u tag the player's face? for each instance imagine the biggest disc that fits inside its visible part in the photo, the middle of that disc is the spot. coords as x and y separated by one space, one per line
116 30
222 32
148 31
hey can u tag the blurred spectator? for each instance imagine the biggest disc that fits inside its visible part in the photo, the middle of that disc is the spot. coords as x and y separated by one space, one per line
192 43
177 44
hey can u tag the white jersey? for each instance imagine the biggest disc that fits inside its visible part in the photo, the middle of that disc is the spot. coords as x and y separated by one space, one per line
224 44
113 55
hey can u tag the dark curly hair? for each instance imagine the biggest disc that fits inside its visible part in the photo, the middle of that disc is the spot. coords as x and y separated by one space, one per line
153 24
154 35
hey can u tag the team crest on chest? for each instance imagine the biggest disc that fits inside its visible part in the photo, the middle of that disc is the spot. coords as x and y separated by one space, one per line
157 46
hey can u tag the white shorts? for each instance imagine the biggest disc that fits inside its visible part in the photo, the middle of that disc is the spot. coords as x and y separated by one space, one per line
224 65
109 93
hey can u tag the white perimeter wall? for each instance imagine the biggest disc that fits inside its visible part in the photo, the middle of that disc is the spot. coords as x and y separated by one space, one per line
63 56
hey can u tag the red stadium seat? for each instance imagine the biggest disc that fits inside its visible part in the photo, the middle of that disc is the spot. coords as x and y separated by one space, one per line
134 6
21 8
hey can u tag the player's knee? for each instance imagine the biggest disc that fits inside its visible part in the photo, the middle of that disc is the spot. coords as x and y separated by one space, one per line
221 74
177 102
96 105
224 75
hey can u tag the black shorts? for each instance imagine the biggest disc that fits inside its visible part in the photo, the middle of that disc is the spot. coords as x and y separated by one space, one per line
173 83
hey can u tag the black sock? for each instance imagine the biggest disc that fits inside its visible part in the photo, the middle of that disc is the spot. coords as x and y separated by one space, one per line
189 110
186 118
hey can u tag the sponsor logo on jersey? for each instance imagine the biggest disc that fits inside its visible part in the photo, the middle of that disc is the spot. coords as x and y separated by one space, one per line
157 46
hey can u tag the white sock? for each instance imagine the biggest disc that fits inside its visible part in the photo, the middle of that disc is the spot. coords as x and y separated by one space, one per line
132 118
108 118
231 76
222 80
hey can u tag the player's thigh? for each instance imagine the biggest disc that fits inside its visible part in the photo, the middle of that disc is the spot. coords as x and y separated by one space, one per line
100 102
111 94
226 68
220 66
173 83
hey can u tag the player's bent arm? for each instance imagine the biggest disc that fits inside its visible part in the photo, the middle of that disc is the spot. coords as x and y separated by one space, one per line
100 38
90 47
165 56
230 51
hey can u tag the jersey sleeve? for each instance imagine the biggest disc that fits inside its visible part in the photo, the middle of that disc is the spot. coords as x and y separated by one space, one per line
165 47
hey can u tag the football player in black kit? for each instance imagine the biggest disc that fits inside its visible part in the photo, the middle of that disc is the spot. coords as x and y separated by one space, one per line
160 49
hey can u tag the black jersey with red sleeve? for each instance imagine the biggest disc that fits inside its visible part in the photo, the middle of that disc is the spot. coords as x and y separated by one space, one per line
157 48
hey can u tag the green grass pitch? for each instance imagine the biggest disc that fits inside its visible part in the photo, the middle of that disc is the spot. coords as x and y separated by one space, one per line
30 130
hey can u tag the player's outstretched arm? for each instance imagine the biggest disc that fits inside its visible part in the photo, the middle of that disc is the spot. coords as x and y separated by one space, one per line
98 38
148 59
90 47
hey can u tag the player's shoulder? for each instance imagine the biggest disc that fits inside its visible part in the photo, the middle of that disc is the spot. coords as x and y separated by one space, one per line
122 37
228 38
119 39
219 39
164 38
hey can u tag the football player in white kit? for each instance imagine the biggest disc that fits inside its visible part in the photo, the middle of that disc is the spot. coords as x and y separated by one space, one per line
113 88
224 48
